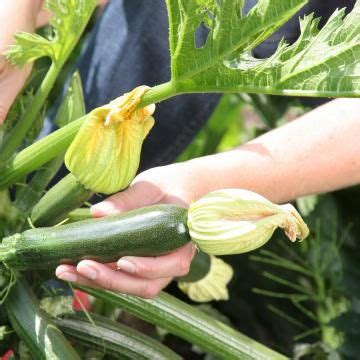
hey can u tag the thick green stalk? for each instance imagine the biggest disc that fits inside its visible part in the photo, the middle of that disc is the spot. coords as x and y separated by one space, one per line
41 336
17 134
67 195
159 93
70 109
39 153
190 324
114 338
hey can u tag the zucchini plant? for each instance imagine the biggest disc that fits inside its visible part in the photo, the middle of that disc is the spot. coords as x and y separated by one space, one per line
224 64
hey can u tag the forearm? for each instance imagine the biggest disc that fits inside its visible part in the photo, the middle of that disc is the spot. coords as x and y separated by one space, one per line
18 15
318 152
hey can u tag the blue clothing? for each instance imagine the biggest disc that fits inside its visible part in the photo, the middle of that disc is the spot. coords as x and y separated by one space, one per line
129 47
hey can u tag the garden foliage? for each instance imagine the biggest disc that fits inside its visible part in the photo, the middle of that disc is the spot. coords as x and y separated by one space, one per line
311 291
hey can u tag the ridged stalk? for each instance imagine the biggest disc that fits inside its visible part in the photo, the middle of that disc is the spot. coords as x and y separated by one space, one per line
115 339
67 195
41 336
190 324
39 153
71 108
17 134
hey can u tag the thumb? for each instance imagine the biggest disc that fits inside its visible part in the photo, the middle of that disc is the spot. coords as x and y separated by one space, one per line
139 194
11 82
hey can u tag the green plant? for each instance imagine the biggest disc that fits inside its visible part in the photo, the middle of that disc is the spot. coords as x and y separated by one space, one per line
223 64
314 275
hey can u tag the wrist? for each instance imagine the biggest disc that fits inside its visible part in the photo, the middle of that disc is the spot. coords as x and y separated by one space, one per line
247 167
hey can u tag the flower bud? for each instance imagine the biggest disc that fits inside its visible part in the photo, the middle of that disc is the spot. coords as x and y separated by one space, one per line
213 286
105 154
234 221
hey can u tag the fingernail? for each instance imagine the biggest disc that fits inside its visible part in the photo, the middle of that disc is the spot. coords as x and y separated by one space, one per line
104 208
66 276
87 271
126 265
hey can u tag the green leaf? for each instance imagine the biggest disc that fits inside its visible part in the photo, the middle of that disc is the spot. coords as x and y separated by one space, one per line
230 30
68 21
320 63
28 48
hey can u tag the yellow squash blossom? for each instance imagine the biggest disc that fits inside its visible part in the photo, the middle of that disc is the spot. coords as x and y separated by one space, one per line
104 156
234 221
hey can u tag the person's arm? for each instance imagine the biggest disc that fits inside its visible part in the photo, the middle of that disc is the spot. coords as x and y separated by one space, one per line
319 152
15 15
316 153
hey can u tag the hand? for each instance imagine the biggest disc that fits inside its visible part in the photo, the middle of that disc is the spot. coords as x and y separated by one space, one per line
141 276
14 16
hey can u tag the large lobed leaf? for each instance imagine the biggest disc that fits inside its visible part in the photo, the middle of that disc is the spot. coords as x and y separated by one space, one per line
68 21
320 63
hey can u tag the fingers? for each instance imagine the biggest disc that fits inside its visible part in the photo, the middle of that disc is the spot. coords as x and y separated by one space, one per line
43 17
91 273
139 276
139 194
174 264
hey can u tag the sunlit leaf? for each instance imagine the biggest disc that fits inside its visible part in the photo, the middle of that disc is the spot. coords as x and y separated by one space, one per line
68 21
320 63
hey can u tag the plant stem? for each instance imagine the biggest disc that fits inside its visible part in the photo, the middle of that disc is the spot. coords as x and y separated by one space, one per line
39 153
17 134
65 196
190 324
159 93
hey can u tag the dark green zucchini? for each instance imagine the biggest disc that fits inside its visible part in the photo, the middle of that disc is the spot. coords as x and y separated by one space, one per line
41 336
114 338
149 231
200 266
